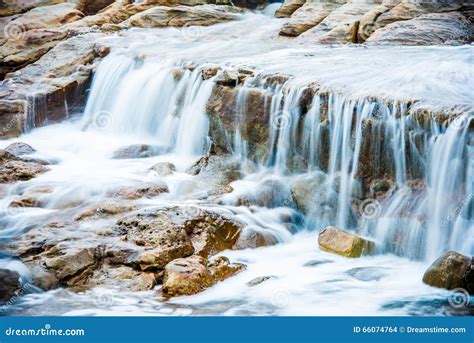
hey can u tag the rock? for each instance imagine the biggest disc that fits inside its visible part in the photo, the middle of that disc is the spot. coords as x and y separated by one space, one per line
163 168
427 29
451 270
337 241
104 210
303 189
21 32
122 277
288 8
148 190
384 15
9 284
24 202
250 238
216 171
12 169
12 118
186 276
315 263
225 116
340 26
306 17
19 149
179 16
89 7
227 77
57 80
163 239
72 263
221 268
259 280
137 151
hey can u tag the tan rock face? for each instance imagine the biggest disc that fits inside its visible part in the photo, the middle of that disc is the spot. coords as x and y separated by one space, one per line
187 276
337 241
452 270
288 8
162 16
306 17
13 169
427 29
12 118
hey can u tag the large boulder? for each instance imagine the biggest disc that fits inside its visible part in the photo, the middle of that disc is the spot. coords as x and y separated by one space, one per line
187 276
178 16
9 284
451 270
338 241
340 26
306 17
427 29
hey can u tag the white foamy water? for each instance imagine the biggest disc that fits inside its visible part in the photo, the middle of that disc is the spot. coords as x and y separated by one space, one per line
142 94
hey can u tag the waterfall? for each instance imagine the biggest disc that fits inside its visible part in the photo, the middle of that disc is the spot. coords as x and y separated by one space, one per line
157 99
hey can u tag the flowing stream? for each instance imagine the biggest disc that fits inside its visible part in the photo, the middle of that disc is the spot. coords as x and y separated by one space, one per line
360 108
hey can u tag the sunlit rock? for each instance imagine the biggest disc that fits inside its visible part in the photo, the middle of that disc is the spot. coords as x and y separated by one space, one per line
337 241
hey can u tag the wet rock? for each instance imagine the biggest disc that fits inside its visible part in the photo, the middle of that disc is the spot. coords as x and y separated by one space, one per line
227 77
451 270
259 280
210 71
216 171
137 151
221 268
12 169
212 233
163 168
9 284
104 210
72 263
24 202
316 263
225 117
338 241
19 149
12 118
186 276
122 277
178 16
303 189
89 7
368 273
306 17
288 8
427 29
251 239
163 239
340 26
148 190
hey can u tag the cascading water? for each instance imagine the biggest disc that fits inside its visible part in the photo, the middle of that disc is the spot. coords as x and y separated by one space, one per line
336 124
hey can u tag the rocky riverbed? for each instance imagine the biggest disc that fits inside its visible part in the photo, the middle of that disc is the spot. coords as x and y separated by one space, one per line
189 158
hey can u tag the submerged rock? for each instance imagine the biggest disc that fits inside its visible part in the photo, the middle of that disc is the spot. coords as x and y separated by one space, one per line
259 280
104 210
304 189
142 190
338 241
9 284
137 151
451 270
19 149
163 168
